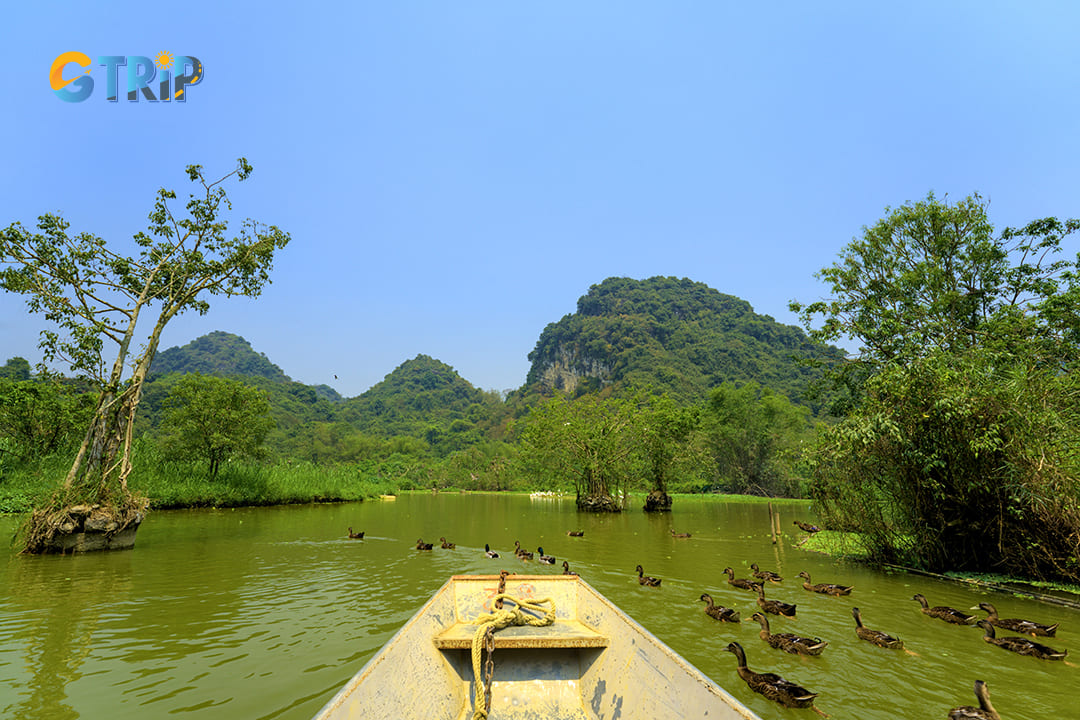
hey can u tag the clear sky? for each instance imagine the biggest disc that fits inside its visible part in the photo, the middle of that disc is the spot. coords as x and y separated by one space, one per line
455 174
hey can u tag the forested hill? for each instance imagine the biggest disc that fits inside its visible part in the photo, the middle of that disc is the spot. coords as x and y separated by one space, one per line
422 394
674 334
218 353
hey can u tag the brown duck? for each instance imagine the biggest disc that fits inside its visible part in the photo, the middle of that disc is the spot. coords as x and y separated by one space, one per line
825 588
646 580
772 685
774 606
766 575
941 612
719 612
741 583
807 527
985 711
789 642
447 545
1021 645
421 545
356 536
876 637
1024 627
566 568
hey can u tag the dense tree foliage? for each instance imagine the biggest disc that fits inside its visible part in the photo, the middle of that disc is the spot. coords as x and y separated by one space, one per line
962 449
590 444
676 335
753 437
40 416
214 419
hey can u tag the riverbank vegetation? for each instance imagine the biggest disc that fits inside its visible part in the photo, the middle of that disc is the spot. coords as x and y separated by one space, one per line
950 441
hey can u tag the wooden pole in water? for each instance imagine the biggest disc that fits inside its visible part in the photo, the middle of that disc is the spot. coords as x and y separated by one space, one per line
772 524
776 518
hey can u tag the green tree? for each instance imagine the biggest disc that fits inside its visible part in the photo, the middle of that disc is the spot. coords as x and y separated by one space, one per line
666 429
93 295
16 368
752 436
961 452
215 419
39 417
589 443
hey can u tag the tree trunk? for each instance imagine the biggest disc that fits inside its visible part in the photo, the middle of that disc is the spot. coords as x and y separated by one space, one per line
598 503
658 501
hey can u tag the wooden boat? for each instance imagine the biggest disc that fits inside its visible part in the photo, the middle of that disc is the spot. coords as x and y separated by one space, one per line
593 662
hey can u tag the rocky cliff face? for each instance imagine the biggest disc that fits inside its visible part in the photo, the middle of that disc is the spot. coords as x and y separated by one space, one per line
568 368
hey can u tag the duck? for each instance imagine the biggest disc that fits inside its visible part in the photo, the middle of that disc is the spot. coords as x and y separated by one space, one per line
1020 645
1024 627
447 545
546 559
356 536
644 579
576 533
807 527
825 588
719 612
741 583
489 552
789 642
941 612
774 606
876 637
766 575
772 685
522 552
679 535
566 568
985 711
421 545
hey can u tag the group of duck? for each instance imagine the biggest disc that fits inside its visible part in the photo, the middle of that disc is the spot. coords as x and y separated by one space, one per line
791 694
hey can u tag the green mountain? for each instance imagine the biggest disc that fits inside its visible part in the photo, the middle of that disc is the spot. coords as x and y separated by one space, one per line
218 353
674 334
425 398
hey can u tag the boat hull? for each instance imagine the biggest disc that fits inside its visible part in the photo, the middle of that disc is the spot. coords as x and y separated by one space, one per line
594 662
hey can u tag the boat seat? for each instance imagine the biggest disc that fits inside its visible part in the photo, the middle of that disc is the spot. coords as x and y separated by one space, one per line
562 634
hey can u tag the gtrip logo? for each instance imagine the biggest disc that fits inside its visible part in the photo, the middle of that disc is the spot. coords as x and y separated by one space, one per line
171 75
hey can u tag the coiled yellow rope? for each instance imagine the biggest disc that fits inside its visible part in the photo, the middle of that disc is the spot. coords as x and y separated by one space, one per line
498 620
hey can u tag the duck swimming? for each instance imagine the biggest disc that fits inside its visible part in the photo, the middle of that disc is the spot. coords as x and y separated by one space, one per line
356 536
767 575
576 533
774 606
447 545
679 535
825 588
807 527
522 552
566 568
985 711
719 612
788 642
644 579
489 552
1024 627
741 583
876 637
421 545
941 612
772 685
546 559
1020 645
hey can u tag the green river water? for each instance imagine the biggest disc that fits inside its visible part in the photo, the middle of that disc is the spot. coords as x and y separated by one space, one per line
265 613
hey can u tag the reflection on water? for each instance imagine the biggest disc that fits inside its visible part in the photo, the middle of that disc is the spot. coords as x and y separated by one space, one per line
265 613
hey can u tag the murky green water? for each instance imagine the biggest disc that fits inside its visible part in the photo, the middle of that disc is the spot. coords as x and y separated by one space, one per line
265 613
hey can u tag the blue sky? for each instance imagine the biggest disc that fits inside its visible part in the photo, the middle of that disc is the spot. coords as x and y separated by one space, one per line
456 174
